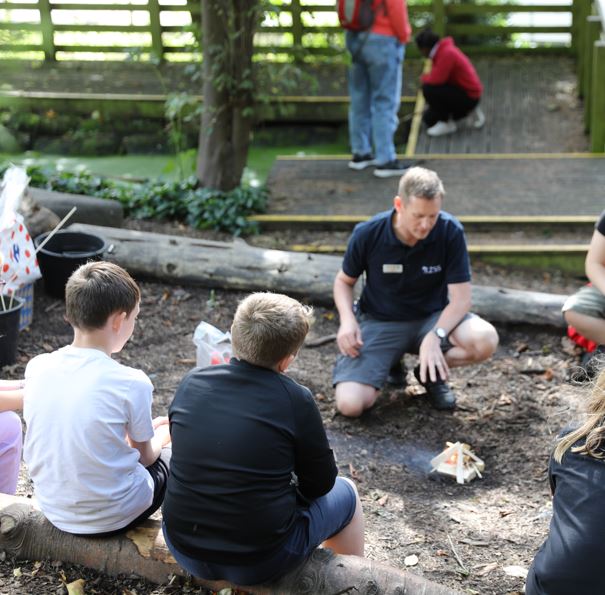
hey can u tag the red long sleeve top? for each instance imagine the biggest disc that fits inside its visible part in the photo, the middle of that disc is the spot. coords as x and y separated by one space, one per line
392 19
452 67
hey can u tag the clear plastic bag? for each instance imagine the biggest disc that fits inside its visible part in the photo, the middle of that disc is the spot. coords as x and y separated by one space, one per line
213 346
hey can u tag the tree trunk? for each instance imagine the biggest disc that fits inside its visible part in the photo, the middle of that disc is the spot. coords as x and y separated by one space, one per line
228 28
26 534
239 266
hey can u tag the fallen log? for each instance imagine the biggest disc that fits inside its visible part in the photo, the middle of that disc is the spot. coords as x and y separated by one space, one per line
26 534
238 266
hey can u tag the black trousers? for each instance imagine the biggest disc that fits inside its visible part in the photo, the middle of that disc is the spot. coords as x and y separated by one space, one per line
445 102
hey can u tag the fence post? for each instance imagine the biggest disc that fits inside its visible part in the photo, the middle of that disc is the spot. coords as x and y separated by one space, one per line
582 12
439 17
157 47
591 35
46 26
297 24
597 103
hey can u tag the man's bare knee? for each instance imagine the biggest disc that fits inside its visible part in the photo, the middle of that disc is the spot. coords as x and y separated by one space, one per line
485 345
353 398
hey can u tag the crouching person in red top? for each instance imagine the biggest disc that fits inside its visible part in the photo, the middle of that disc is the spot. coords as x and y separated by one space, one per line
253 488
452 88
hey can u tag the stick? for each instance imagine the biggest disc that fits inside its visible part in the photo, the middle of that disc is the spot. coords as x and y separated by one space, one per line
319 341
464 569
56 229
2 284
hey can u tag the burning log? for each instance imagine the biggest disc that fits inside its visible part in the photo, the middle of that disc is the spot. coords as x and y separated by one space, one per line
239 266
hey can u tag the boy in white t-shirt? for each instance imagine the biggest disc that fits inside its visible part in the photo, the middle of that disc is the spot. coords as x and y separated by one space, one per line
96 457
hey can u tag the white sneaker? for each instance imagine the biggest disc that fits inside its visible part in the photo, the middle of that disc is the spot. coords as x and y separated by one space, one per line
442 128
476 119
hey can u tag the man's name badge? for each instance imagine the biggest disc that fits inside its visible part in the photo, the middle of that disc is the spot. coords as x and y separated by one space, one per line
392 268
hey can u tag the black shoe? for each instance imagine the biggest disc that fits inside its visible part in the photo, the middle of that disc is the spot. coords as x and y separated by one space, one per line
439 394
391 169
359 162
589 367
396 376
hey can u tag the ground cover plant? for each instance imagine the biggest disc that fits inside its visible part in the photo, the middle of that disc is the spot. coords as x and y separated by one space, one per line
183 201
476 538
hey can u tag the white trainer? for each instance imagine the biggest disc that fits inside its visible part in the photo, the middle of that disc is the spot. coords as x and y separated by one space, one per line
476 118
442 128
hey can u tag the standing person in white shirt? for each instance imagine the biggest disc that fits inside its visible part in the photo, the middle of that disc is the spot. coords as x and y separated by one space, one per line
97 459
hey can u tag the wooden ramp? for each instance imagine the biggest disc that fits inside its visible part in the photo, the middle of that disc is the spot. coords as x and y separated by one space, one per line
530 184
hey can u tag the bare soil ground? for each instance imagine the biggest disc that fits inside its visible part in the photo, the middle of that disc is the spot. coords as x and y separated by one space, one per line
467 537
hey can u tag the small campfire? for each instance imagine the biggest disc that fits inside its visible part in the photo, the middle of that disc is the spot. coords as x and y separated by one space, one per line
459 461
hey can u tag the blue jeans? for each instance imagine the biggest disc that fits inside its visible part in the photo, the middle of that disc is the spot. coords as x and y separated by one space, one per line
375 80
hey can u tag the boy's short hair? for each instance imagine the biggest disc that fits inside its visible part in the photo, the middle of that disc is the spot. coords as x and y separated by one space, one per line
268 327
95 291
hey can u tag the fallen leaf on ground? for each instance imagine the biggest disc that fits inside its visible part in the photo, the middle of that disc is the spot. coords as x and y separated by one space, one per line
17 572
382 501
411 560
76 587
518 571
442 553
487 569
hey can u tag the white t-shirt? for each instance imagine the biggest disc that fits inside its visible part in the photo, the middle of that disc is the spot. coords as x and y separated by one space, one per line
78 406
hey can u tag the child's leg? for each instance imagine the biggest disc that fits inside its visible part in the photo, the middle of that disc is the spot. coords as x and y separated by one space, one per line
350 539
11 437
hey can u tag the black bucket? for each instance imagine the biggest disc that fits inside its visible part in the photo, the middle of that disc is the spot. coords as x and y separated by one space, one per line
9 329
63 254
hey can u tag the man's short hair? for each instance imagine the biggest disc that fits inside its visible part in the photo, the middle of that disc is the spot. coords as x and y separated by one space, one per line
95 291
268 327
421 183
426 39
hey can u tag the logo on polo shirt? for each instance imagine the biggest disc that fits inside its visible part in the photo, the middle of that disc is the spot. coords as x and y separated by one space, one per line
432 269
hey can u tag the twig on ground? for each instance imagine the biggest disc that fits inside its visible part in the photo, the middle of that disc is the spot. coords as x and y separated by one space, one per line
464 568
320 341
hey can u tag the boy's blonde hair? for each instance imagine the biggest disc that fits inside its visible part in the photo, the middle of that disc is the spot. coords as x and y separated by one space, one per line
95 291
268 327
593 429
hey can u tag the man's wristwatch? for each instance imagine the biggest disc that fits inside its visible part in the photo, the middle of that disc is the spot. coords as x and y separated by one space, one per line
441 333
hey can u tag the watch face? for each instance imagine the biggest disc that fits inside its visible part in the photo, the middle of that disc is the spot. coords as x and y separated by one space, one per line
440 333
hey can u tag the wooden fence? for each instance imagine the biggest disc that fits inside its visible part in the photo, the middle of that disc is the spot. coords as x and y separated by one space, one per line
589 47
59 29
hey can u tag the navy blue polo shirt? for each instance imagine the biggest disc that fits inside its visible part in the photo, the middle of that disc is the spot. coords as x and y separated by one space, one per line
600 224
403 282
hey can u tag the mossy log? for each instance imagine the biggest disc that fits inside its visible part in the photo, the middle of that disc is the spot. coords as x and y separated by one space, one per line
26 534
238 266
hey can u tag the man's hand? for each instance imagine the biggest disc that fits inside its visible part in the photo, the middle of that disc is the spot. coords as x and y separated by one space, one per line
433 366
349 338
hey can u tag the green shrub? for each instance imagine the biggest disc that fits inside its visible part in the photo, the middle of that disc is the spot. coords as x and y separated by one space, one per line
184 201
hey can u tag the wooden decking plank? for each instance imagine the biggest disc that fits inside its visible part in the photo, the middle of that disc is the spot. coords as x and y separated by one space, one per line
555 185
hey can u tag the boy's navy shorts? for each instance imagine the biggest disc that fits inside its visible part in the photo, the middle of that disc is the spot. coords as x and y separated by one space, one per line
324 517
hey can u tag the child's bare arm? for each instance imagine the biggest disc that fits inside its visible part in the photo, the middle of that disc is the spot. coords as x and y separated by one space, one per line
150 449
11 395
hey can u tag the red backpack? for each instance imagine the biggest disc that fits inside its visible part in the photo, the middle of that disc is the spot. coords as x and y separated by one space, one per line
356 15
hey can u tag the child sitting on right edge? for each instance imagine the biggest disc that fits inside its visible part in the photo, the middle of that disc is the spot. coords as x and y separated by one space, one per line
91 447
570 561
253 488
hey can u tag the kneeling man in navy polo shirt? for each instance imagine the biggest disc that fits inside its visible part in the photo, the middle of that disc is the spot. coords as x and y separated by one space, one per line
416 299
